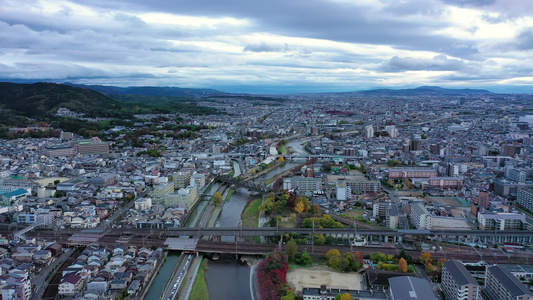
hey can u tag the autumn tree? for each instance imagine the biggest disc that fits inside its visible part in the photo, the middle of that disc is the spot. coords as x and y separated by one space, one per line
403 265
333 252
429 267
441 261
217 198
291 249
346 296
299 207
281 159
425 257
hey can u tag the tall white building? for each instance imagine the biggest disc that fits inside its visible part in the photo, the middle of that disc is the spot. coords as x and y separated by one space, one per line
392 131
369 131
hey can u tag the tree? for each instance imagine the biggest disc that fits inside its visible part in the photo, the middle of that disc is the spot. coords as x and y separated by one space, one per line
217 198
299 207
425 257
281 159
406 256
441 261
305 259
346 296
378 256
403 265
429 267
333 252
291 249
57 181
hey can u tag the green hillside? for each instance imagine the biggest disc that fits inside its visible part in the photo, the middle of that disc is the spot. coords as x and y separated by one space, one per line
41 100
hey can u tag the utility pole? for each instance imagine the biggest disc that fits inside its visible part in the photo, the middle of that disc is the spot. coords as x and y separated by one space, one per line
313 240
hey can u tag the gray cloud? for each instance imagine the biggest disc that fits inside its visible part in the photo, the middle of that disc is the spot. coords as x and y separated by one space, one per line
116 42
438 63
263 47
470 3
524 41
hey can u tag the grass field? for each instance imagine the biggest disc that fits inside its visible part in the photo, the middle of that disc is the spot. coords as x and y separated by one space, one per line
353 214
230 193
199 289
250 215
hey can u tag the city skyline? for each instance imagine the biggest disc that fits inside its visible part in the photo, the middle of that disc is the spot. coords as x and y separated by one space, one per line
274 47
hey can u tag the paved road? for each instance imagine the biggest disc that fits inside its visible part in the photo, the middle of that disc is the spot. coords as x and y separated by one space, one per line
40 280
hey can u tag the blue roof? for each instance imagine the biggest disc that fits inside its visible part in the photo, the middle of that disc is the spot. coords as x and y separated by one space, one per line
15 193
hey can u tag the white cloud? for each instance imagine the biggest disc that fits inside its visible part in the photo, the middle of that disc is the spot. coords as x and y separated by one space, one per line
333 43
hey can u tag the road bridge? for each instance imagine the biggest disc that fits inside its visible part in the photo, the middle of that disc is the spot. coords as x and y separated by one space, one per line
247 184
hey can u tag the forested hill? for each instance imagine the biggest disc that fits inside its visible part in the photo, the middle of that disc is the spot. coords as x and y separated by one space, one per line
41 100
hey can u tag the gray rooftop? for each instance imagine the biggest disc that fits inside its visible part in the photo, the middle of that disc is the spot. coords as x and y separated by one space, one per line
410 288
459 273
509 281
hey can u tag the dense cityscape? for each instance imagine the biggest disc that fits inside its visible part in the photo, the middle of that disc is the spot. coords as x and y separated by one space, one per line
374 192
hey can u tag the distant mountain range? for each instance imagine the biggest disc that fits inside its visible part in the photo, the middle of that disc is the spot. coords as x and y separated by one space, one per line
419 91
150 90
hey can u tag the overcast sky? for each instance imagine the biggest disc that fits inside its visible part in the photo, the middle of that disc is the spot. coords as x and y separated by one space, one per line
271 45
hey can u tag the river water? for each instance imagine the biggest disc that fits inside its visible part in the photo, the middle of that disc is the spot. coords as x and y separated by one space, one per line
228 278
158 286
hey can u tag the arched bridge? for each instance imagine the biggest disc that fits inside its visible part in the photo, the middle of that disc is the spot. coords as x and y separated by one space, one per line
247 184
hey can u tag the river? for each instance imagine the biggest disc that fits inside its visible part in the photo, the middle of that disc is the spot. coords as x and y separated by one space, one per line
228 278
275 171
158 286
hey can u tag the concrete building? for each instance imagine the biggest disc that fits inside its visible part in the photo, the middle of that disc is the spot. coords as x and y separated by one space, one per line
387 211
446 182
103 180
410 288
357 183
59 150
92 147
501 221
457 283
369 131
197 180
420 216
416 145
183 197
181 179
303 184
505 188
343 191
143 204
324 293
392 131
403 173
483 199
525 198
500 284
162 190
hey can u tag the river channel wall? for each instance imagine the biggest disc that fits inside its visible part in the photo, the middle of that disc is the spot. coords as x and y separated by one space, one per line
160 263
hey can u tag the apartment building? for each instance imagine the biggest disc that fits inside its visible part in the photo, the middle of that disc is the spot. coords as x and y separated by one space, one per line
457 283
500 284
